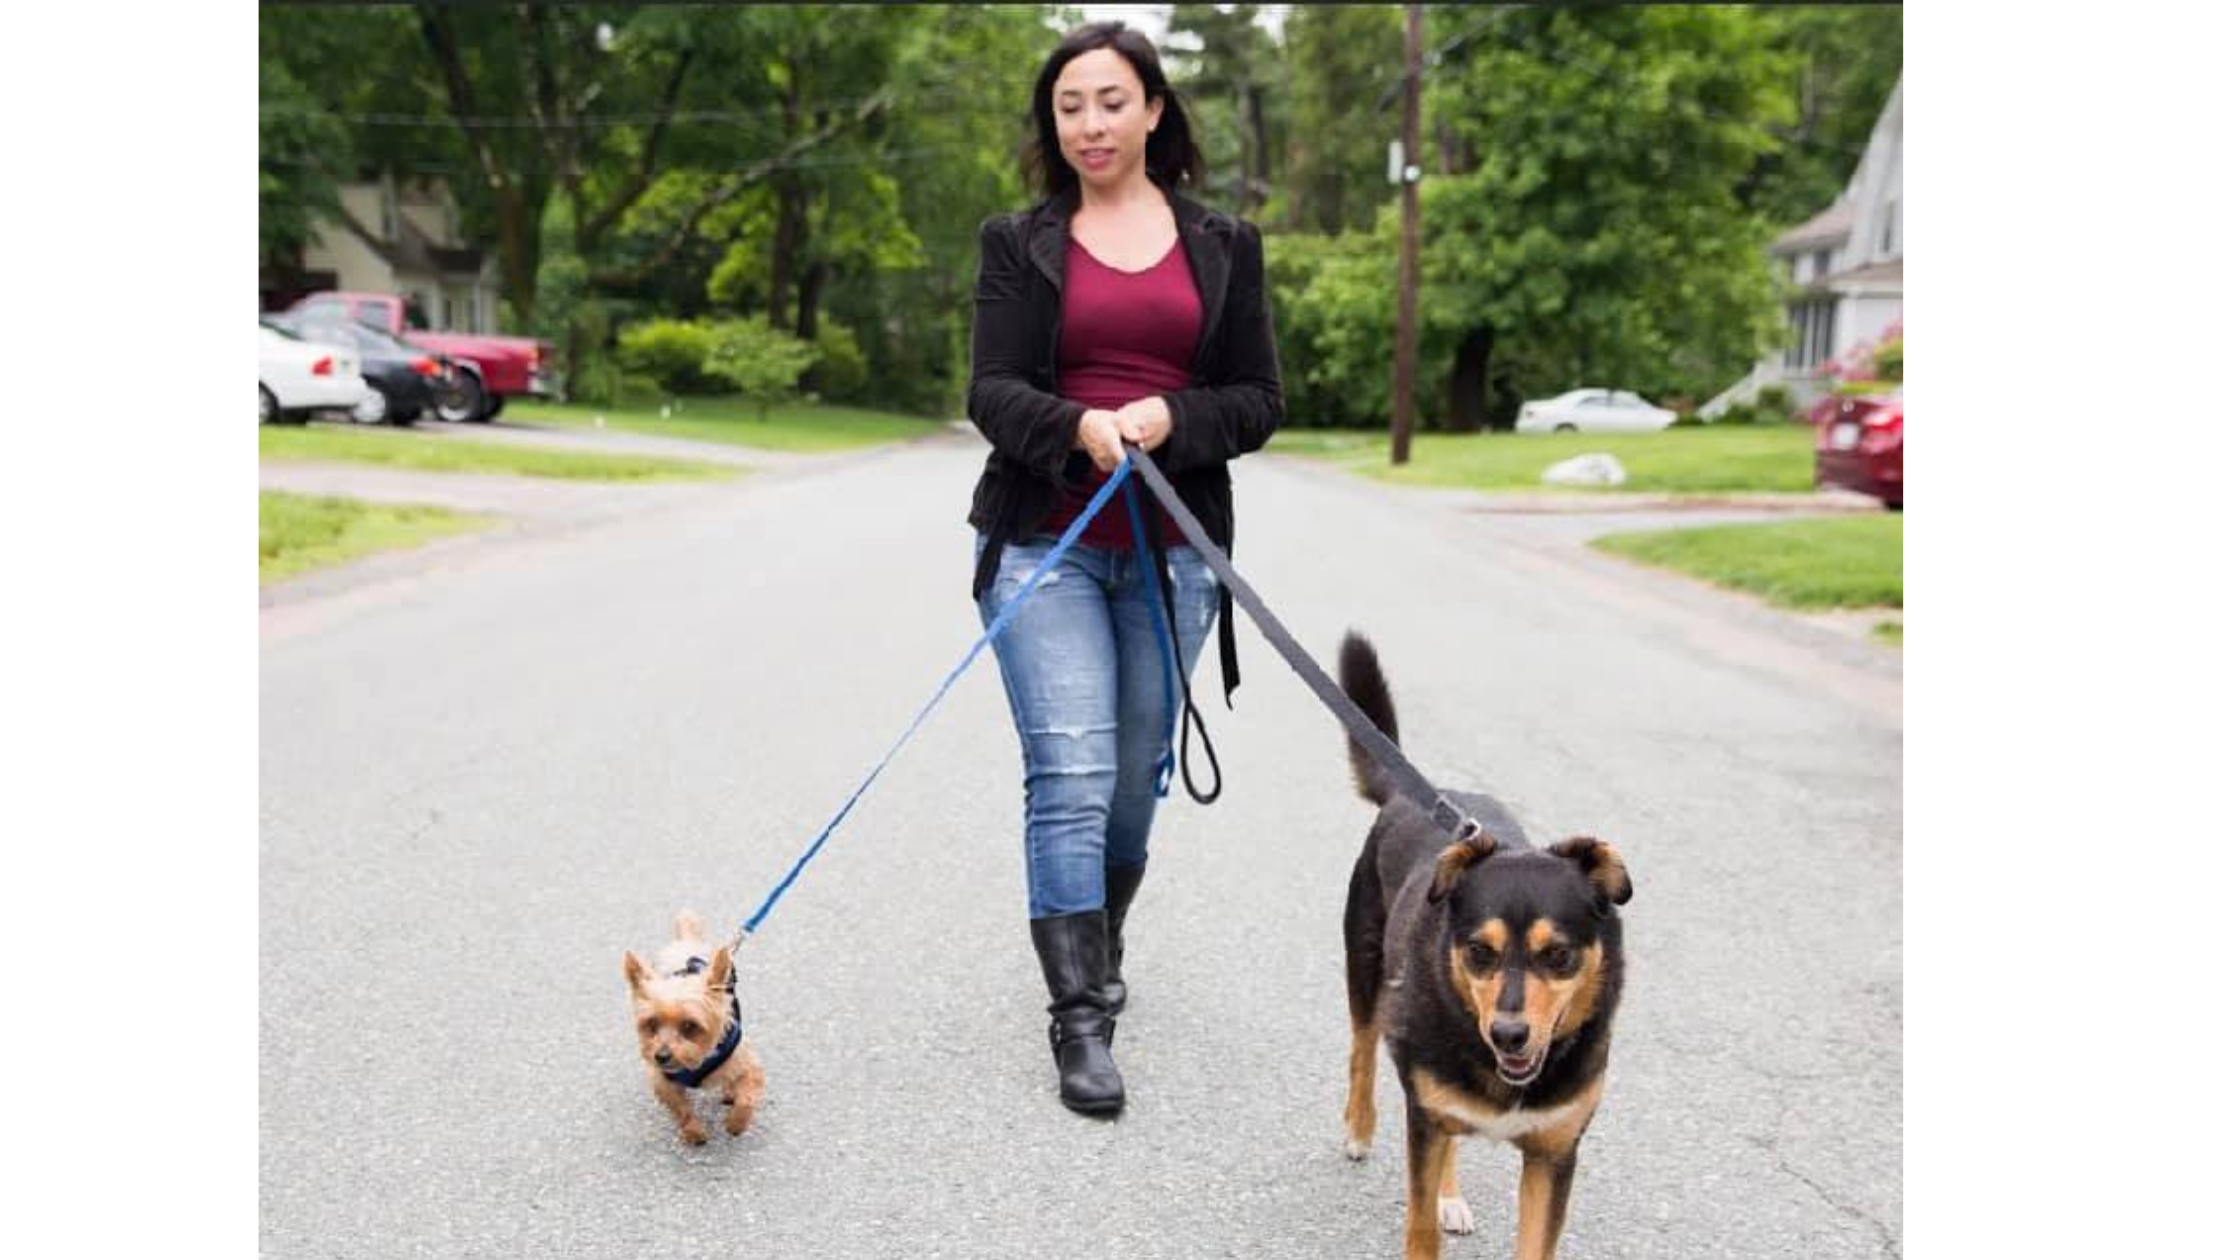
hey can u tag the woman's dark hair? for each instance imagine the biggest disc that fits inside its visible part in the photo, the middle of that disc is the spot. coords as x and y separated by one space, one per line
1170 158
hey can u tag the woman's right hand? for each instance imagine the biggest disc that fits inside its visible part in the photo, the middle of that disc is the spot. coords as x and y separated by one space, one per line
1100 436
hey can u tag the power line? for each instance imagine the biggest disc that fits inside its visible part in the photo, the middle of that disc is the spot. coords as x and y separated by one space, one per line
596 121
922 154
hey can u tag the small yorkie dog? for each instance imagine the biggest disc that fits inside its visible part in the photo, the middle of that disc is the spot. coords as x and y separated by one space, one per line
687 1011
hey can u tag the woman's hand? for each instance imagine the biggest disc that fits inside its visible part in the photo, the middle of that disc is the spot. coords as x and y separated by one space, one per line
1100 434
1146 422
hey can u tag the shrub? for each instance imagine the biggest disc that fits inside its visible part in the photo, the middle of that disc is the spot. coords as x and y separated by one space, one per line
841 373
673 352
1890 359
762 363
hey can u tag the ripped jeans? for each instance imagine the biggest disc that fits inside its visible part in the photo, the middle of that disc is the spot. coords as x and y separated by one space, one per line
1081 665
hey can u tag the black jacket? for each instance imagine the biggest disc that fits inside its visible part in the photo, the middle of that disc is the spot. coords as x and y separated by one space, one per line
1234 402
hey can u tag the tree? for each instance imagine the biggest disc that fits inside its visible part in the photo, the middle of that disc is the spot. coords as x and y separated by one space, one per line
1841 62
294 188
593 103
1227 67
1343 59
1598 236
628 163
968 72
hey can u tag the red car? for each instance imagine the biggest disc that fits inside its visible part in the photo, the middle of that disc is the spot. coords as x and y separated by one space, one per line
493 368
1859 444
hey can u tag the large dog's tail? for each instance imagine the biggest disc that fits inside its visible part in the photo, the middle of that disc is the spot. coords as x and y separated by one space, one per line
1363 681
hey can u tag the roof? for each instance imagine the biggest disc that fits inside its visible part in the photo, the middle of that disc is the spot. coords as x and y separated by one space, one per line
1889 274
1831 224
414 249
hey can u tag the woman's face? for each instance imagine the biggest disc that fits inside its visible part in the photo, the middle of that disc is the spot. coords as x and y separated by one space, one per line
1104 122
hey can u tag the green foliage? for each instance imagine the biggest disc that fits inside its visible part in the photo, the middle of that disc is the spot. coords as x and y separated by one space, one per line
840 373
761 362
1840 62
1890 359
1828 562
1341 60
673 352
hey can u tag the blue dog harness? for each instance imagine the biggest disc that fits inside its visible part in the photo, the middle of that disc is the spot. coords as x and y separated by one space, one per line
690 1078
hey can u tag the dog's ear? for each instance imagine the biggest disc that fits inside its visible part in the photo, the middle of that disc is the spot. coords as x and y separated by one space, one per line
634 970
719 970
1456 860
1604 869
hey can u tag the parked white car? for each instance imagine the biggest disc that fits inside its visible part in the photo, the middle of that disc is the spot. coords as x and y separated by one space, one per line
296 377
1593 411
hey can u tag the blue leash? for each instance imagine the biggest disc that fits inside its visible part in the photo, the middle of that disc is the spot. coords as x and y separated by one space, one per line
996 626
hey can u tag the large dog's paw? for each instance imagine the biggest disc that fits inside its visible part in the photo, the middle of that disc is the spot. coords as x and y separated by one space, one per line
1454 1216
1357 1149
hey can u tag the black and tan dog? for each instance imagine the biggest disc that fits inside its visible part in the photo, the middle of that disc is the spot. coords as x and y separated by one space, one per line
1492 968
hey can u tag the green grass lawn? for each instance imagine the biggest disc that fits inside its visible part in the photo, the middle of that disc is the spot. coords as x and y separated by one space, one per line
1708 459
420 452
297 533
804 427
1826 562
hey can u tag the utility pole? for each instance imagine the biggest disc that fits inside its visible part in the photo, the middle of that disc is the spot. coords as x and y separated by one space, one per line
1409 170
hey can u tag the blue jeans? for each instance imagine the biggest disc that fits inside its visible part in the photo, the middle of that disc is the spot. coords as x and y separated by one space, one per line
1081 665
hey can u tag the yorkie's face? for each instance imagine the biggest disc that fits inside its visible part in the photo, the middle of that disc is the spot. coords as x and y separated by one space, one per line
679 1018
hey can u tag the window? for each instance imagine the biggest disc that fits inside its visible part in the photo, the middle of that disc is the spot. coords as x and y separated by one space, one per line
1890 227
1812 334
1820 260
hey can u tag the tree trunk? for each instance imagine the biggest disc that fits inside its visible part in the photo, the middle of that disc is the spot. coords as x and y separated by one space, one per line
783 243
1507 399
1466 387
517 256
792 211
805 323
1256 123
572 385
812 286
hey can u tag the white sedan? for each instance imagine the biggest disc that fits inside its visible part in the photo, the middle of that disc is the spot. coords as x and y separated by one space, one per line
296 377
1592 411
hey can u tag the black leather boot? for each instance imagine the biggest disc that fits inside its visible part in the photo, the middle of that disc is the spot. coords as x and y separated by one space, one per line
1120 884
1072 950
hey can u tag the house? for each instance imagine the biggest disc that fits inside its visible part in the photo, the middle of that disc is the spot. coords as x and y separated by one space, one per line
397 237
1846 270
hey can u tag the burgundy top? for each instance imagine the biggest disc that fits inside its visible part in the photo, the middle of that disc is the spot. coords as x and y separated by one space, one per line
1122 335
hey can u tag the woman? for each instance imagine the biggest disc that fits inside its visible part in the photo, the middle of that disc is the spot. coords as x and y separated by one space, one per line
1116 311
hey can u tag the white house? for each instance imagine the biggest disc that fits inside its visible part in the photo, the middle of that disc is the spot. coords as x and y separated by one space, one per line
403 237
1847 268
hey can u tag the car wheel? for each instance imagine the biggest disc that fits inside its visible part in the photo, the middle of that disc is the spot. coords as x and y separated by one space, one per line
460 399
1567 428
371 409
268 407
496 404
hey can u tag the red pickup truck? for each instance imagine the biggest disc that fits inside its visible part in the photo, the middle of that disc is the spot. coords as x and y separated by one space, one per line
495 368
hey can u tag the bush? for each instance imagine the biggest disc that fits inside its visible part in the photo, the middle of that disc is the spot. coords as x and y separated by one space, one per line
1890 359
1772 405
1332 300
1856 389
841 373
674 353
763 364
630 389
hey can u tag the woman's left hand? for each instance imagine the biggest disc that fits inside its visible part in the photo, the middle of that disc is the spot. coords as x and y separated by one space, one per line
1146 422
